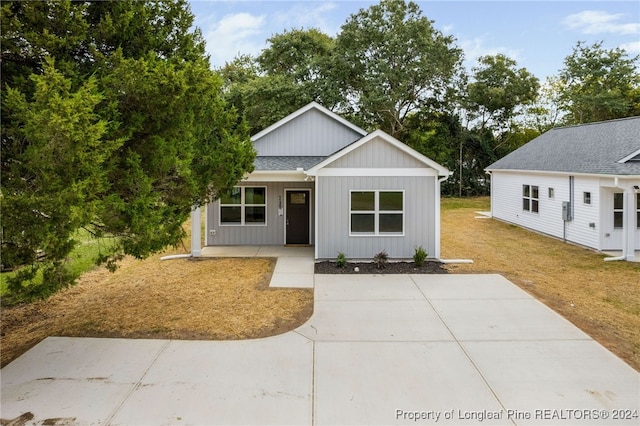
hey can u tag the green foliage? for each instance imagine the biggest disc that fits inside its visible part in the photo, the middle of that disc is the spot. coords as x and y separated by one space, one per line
498 88
419 256
341 260
381 259
391 61
112 122
599 84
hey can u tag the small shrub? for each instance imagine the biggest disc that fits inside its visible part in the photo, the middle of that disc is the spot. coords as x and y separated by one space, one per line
381 259
420 256
341 260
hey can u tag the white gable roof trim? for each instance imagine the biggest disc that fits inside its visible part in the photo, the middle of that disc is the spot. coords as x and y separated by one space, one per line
312 105
442 171
631 156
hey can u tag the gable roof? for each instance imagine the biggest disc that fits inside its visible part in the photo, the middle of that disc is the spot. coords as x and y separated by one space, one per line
603 148
442 171
312 105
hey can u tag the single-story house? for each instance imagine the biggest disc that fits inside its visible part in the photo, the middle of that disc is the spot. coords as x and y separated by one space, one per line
322 181
579 183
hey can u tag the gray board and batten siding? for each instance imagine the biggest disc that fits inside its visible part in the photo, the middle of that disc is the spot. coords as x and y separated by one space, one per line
334 217
376 154
271 233
313 133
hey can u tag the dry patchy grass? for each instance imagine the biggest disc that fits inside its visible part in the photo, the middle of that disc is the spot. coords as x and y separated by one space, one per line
217 299
601 298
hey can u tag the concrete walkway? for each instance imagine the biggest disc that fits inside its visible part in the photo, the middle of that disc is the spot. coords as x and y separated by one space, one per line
294 267
394 349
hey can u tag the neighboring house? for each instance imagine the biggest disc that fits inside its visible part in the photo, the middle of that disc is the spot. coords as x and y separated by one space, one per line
320 180
579 183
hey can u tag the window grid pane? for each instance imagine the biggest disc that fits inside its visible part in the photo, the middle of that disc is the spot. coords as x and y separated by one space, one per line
254 215
390 201
390 223
617 220
363 201
231 214
254 195
363 222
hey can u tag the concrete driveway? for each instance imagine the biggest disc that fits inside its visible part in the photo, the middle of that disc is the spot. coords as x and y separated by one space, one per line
394 349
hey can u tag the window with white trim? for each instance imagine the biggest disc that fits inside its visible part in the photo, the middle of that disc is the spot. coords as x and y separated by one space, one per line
530 200
618 210
244 205
638 210
551 193
376 212
586 197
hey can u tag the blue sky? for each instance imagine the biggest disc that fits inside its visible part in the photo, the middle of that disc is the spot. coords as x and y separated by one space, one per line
537 34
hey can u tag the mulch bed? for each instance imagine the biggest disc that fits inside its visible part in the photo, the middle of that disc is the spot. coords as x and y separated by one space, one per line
429 267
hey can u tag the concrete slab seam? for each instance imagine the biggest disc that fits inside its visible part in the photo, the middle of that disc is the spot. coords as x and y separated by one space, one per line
137 384
466 354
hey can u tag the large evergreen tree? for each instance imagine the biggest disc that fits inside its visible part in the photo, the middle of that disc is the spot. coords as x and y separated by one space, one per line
112 121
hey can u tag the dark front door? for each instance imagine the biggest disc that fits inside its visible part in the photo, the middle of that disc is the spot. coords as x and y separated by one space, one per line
297 220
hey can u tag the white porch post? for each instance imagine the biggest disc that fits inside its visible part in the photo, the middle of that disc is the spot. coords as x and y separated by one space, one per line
628 239
196 248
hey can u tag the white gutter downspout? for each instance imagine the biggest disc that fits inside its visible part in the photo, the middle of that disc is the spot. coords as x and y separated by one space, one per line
196 248
628 253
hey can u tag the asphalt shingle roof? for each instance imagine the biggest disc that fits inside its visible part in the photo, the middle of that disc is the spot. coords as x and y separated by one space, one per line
593 148
282 163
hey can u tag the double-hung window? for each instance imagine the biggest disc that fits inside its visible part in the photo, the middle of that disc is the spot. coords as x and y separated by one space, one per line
376 213
618 210
244 205
530 198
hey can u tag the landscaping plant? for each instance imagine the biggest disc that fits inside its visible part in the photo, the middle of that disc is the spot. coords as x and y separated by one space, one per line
420 256
341 260
381 259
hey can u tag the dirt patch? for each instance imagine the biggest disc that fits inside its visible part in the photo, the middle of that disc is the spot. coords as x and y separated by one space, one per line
187 299
430 267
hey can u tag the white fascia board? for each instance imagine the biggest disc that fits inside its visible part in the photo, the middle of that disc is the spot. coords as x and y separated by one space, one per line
275 176
312 105
629 157
544 172
377 172
441 170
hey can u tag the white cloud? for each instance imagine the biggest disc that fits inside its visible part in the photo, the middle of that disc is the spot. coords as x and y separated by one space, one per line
474 48
232 35
598 22
632 48
309 15
447 29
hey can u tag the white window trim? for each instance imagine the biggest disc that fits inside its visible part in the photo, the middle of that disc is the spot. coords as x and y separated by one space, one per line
242 206
621 210
584 198
530 198
376 214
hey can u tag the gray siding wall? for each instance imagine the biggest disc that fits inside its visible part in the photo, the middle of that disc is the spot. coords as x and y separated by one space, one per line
333 217
270 234
310 134
377 153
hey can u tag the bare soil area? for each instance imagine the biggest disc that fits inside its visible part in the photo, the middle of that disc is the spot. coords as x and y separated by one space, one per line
429 267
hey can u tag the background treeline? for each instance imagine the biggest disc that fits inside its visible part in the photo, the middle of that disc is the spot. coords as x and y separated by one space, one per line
389 68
